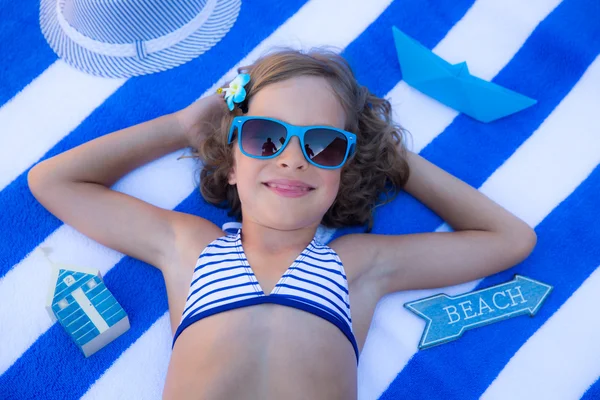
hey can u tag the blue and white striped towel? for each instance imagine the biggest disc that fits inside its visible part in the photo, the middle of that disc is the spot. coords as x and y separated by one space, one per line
541 164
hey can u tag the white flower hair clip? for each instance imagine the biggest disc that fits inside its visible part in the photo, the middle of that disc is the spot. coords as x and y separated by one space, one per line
235 92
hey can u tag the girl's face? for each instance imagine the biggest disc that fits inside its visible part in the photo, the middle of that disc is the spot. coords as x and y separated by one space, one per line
304 100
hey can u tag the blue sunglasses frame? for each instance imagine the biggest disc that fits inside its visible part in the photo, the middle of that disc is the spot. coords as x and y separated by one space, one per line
292 130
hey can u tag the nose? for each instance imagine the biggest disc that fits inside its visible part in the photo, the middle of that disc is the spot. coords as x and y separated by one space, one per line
292 156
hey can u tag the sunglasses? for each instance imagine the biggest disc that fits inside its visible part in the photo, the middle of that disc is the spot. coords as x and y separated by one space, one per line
264 138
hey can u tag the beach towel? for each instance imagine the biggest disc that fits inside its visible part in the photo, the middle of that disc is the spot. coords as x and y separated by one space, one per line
540 163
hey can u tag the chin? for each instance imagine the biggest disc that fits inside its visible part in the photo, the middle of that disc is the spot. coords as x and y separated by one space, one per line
290 223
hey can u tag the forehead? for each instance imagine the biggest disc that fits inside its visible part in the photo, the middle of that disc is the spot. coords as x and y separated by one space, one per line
302 100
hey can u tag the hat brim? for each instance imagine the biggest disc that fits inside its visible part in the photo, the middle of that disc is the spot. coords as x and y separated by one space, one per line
210 33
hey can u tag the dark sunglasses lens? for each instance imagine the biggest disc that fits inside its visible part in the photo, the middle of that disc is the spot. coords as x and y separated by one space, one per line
262 138
325 147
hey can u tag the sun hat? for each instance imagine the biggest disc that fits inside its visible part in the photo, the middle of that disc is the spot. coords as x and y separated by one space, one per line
124 38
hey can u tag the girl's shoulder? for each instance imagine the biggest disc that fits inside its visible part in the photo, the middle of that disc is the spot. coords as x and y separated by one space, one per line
355 253
192 235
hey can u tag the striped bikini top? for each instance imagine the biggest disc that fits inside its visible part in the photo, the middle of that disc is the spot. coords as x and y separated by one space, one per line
223 280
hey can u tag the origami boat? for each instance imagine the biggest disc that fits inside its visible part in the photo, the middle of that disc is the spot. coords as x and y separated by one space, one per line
453 84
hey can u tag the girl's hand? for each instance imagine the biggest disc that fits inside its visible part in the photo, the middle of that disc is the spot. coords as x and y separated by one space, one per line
195 118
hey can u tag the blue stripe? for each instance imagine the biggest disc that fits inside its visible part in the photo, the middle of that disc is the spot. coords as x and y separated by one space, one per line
315 249
148 302
234 296
228 239
217 291
337 316
215 281
333 271
276 299
140 49
304 290
216 271
320 259
323 277
25 53
217 262
238 304
593 392
318 285
221 254
217 246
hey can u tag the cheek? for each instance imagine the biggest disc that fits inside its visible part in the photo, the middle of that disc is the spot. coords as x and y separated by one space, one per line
332 183
244 175
236 173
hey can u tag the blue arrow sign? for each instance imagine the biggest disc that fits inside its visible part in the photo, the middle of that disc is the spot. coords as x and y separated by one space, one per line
448 317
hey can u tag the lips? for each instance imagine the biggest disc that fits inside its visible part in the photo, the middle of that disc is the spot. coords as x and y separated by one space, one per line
288 184
289 188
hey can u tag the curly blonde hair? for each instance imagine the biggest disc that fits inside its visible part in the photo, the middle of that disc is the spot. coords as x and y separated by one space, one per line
372 177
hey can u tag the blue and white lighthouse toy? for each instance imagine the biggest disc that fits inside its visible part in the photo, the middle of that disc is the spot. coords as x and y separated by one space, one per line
86 309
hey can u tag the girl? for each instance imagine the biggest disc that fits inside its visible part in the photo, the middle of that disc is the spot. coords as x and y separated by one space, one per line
269 311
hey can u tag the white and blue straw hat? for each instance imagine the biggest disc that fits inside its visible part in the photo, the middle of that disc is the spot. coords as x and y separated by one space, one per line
124 38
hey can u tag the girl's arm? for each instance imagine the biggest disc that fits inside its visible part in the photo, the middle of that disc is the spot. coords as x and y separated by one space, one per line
486 239
75 187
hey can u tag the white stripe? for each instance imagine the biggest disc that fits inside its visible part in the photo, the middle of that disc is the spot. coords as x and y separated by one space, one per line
219 269
85 333
113 314
122 381
297 291
71 313
177 175
108 297
561 360
98 294
321 279
217 275
81 327
243 295
76 319
247 289
394 337
45 111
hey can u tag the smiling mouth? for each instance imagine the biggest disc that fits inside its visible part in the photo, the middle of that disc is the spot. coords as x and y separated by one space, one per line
288 187
288 190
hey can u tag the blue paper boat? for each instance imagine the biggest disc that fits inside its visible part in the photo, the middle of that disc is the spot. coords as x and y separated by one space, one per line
453 85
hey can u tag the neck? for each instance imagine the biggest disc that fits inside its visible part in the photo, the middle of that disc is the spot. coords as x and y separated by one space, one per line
273 241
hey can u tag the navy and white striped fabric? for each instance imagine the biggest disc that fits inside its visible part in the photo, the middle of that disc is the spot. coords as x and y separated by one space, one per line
541 164
120 39
223 280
